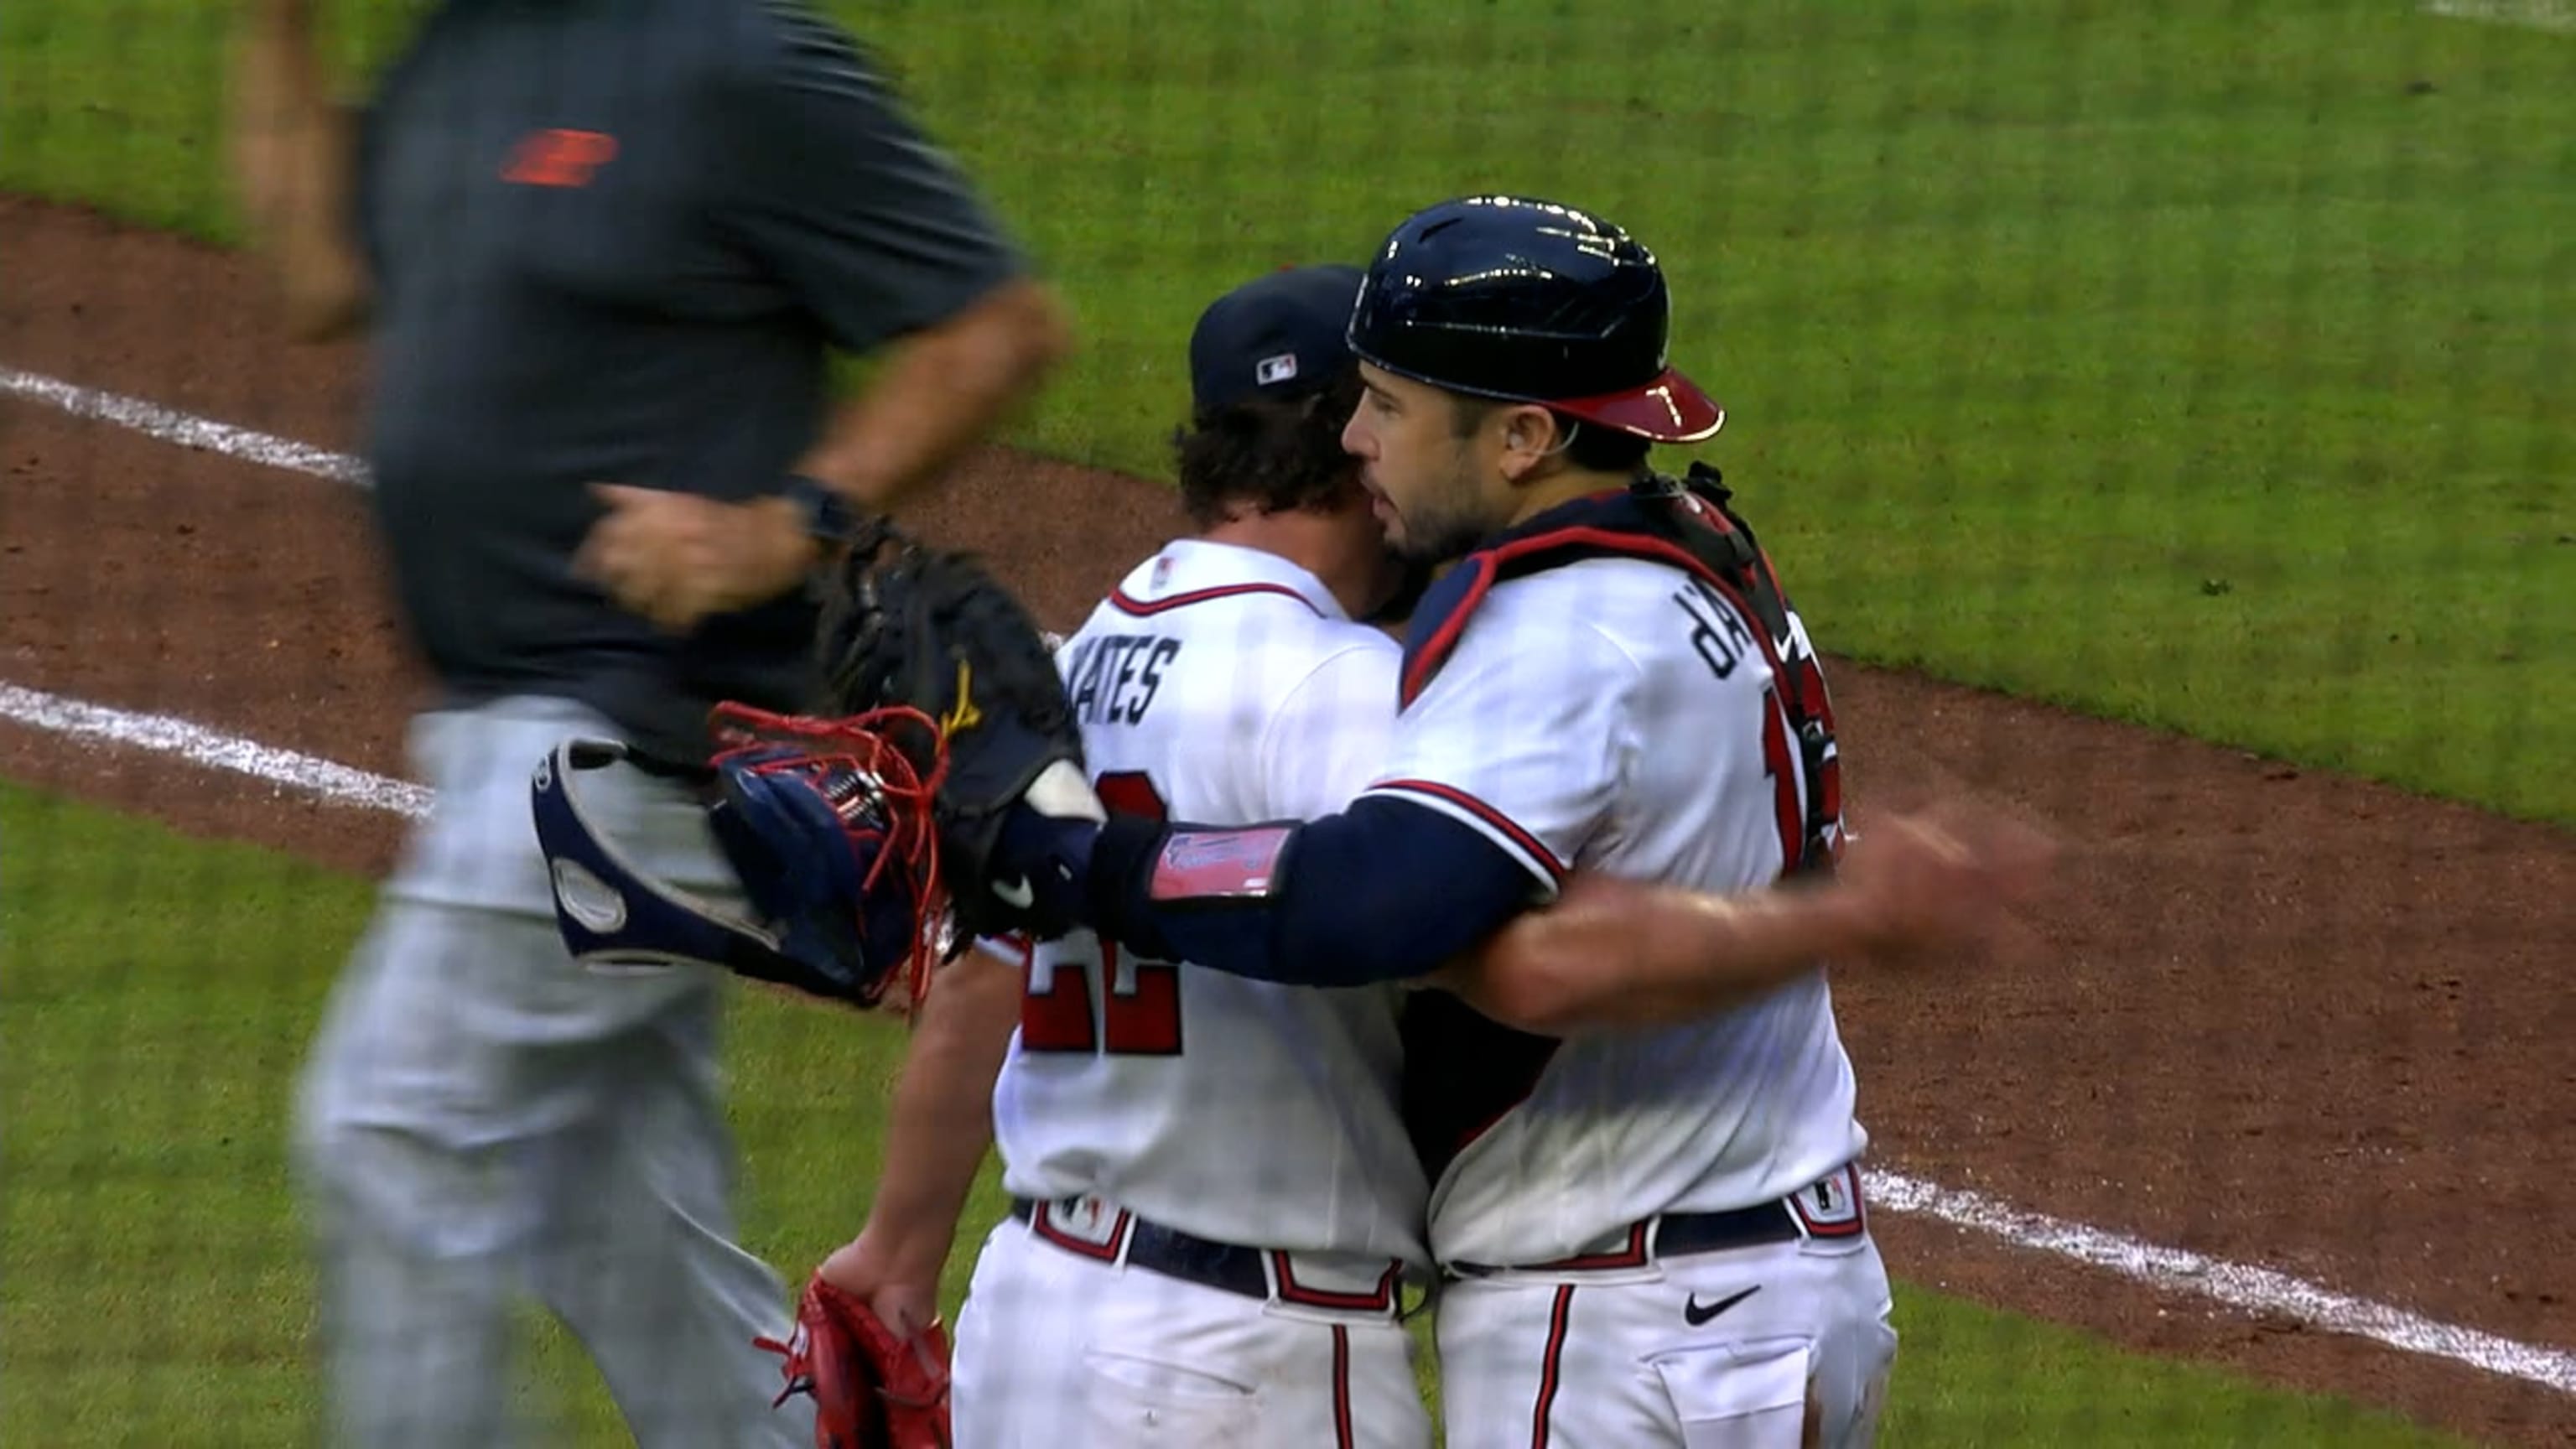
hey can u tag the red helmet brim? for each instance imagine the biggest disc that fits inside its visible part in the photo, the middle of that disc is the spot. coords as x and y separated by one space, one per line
1671 409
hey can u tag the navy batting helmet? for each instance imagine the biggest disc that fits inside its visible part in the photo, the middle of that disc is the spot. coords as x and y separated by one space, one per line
1530 301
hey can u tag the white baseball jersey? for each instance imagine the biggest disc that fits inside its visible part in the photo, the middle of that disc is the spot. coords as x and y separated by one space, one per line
1617 714
1224 686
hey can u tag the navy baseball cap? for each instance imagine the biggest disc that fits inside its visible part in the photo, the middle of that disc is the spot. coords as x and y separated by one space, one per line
1280 335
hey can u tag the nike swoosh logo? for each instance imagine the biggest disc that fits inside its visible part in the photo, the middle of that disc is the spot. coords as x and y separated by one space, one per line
1017 895
1696 1315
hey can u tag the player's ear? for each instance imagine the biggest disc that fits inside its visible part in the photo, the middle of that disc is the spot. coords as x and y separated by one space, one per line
1530 436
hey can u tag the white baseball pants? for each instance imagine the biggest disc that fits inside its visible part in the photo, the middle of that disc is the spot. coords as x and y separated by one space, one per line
1059 1351
482 1119
1614 1361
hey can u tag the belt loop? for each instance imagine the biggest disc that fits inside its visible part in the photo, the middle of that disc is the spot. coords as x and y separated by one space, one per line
1826 1218
1123 1236
1279 1271
1110 1249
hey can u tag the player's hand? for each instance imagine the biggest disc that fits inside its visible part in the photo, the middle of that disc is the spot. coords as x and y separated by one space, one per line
1039 869
908 1300
1945 879
676 558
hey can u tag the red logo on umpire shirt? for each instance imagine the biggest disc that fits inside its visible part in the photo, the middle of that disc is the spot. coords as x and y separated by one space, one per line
559 158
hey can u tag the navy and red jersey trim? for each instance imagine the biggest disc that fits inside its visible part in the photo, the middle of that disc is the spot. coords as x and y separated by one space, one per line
1342 1435
1127 603
1503 825
1551 1366
1446 607
1611 523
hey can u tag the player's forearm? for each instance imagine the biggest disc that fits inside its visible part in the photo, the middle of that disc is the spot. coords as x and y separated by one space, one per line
291 156
939 391
1618 954
941 1122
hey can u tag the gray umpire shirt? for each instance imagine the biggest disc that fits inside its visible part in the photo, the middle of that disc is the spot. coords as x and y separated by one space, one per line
614 240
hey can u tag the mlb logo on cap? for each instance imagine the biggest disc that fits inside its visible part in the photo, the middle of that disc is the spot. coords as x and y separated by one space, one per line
1279 335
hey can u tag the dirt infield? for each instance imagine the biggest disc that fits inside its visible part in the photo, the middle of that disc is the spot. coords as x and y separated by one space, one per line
2284 1018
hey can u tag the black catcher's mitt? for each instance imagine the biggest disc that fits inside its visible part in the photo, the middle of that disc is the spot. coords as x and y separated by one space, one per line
912 626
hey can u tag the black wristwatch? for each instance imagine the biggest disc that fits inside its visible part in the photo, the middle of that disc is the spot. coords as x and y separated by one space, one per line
828 516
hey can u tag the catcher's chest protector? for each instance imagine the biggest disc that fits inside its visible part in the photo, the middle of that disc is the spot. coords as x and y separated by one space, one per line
1685 523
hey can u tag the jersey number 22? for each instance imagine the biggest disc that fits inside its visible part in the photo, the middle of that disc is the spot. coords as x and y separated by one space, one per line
1140 1012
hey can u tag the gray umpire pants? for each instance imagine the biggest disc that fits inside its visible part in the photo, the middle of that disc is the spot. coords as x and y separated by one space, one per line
481 1119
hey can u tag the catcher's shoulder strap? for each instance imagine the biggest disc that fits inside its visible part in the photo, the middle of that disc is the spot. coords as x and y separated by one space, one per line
1689 523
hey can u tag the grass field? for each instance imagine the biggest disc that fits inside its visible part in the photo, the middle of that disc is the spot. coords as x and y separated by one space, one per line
159 992
2186 363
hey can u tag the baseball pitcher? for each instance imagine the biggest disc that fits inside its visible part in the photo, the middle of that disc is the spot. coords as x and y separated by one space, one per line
1214 1200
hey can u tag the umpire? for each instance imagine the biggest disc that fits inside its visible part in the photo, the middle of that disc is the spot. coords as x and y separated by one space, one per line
604 250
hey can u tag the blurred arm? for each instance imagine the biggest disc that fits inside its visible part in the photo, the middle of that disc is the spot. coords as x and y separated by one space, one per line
293 158
941 1121
1613 953
941 390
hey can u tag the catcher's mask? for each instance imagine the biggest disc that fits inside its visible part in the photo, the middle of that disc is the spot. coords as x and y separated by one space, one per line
814 816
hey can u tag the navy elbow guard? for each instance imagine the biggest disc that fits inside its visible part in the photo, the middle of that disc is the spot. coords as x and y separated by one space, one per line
1148 874
1343 901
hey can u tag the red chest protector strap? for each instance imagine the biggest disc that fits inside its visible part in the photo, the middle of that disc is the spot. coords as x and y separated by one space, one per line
1689 524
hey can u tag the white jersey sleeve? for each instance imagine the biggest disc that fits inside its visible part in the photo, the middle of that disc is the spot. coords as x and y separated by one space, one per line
1522 734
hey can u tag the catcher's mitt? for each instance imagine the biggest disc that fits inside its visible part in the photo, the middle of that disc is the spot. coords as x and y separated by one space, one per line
924 629
872 1388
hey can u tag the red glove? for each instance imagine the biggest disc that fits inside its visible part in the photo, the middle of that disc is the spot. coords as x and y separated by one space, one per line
872 1389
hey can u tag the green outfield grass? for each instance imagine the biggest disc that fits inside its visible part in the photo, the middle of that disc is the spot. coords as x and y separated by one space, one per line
159 993
2185 363
2181 363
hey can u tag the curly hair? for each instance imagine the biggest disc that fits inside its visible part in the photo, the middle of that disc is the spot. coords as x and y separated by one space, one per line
1268 454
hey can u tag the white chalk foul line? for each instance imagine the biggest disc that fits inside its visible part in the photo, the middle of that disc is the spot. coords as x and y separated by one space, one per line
170 735
2238 1285
185 429
2555 15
